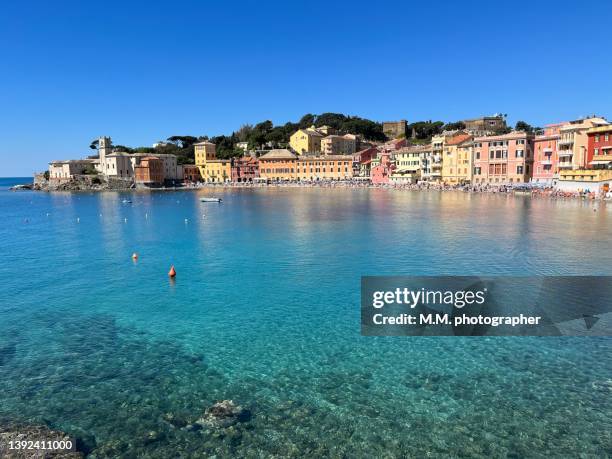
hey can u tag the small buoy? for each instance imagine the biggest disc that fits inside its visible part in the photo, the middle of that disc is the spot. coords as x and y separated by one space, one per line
48 214
125 220
100 215
172 272
146 215
186 221
134 256
78 220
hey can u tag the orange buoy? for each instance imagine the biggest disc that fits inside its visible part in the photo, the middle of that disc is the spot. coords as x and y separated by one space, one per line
172 272
134 256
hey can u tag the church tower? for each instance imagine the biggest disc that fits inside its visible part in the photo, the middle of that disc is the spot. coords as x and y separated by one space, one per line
105 147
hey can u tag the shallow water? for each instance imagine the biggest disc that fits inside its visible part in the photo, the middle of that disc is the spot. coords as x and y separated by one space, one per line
265 311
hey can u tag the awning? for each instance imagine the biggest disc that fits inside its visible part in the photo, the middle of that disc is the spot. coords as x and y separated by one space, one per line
598 162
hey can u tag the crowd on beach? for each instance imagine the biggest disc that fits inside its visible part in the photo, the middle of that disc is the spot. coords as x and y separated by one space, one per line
536 191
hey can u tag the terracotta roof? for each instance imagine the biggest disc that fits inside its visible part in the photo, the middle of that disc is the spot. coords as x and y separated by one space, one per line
279 153
458 139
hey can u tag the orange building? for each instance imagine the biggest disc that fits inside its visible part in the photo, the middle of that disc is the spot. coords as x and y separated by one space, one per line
149 171
310 168
278 165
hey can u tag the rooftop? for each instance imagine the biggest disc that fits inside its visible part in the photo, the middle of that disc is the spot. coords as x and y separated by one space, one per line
279 153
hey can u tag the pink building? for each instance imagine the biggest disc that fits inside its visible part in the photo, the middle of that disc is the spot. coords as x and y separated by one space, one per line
381 169
546 156
503 159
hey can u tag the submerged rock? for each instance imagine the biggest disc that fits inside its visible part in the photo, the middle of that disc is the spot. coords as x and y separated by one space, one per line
28 433
224 414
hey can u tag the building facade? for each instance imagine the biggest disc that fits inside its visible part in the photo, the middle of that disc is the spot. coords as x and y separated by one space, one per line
545 155
339 145
382 169
395 129
408 163
149 172
212 170
485 125
278 165
191 173
504 159
306 141
313 168
245 169
573 142
457 162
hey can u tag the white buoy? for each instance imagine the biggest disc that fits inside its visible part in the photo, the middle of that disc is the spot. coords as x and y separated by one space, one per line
186 221
47 214
146 215
78 220
125 220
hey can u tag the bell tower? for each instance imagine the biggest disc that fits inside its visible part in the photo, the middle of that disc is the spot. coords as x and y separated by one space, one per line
105 147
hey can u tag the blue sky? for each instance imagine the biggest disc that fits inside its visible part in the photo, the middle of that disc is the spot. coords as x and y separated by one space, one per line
143 71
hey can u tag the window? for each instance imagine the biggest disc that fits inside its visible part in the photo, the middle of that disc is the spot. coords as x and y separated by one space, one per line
597 138
520 154
519 169
597 151
477 155
477 171
607 137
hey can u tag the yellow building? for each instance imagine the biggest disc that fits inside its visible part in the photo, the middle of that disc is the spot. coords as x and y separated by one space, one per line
408 162
312 168
211 169
306 141
456 162
339 144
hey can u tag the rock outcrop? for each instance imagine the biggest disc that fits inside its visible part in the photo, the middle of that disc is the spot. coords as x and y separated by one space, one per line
224 414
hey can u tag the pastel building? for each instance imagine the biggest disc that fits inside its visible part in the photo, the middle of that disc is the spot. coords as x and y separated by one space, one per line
408 164
306 140
245 169
382 169
278 165
456 163
545 155
313 168
191 173
599 147
362 162
67 170
573 143
503 159
339 144
212 170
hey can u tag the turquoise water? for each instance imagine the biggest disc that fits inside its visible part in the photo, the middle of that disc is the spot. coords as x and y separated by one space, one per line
265 311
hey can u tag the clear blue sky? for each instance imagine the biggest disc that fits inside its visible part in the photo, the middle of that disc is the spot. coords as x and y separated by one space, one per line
143 71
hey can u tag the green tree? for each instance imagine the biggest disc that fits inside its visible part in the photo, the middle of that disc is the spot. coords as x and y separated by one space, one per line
523 126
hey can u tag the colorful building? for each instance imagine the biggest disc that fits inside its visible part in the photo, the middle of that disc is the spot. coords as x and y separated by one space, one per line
306 141
362 162
573 142
456 163
382 169
408 162
191 173
149 172
278 165
503 159
599 147
245 169
339 144
313 168
485 125
212 170
545 155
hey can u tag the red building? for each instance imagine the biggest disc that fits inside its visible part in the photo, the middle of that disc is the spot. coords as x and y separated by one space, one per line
546 156
150 171
599 147
382 169
245 169
191 173
362 161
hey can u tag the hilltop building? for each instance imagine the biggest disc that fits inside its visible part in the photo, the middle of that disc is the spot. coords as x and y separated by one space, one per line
306 140
485 125
339 144
395 129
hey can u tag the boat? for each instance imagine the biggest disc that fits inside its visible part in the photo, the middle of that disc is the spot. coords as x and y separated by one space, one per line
211 200
126 201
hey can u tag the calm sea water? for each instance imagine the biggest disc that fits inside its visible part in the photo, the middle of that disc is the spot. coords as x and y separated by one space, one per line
265 311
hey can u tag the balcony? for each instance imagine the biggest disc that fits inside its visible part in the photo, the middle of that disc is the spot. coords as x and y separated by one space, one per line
565 165
565 153
546 162
566 142
547 151
437 165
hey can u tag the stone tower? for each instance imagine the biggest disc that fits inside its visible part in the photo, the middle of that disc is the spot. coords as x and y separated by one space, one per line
105 147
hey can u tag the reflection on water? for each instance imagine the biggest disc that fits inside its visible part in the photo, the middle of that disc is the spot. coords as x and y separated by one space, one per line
265 311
